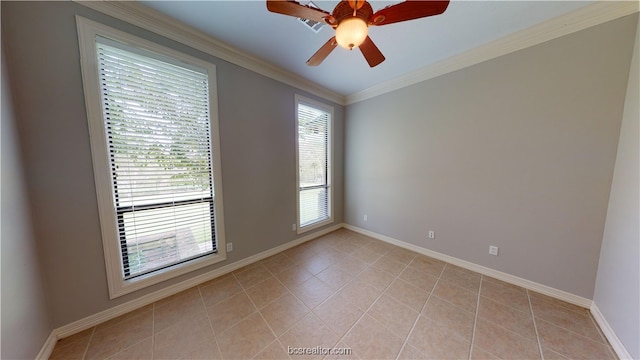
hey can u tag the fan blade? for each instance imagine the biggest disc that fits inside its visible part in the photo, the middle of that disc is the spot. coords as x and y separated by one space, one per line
408 10
371 52
323 52
293 8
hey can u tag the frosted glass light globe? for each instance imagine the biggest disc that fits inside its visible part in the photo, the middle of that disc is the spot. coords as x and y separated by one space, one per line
351 32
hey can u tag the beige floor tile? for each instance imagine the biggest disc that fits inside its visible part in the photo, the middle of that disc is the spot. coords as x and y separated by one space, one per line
347 247
245 339
436 342
294 275
456 295
277 263
146 310
252 276
184 306
338 313
376 278
509 318
352 265
369 339
274 351
312 292
140 351
400 255
570 344
213 292
411 353
121 333
366 255
552 355
419 279
310 332
427 265
72 347
461 277
360 240
397 317
540 297
478 353
208 350
283 313
335 276
380 247
229 312
300 253
450 317
360 293
181 338
267 291
579 322
335 255
335 237
503 343
389 265
506 294
412 296
317 263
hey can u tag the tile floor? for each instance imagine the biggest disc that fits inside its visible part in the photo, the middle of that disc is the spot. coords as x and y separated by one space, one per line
345 290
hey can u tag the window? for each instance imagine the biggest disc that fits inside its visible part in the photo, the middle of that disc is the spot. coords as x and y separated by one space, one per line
152 117
313 155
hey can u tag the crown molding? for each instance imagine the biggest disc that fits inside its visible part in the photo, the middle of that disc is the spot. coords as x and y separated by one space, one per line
161 24
588 16
154 21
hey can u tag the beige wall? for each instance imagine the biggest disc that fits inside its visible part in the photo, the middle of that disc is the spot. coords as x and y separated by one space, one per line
257 143
25 316
516 152
617 292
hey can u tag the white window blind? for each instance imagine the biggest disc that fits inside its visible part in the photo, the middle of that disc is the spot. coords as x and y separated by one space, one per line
313 165
157 124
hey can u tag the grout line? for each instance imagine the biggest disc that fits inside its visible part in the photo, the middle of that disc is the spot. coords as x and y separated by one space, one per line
406 339
369 265
86 349
475 319
259 313
535 326
206 312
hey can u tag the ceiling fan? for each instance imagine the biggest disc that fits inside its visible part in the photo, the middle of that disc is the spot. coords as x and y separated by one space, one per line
351 18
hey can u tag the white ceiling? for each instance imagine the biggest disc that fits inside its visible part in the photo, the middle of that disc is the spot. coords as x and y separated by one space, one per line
408 46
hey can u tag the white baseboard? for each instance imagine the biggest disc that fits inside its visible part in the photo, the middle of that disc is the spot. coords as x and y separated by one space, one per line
47 348
95 319
614 340
515 280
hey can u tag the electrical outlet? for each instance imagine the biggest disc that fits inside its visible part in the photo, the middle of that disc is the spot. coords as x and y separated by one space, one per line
365 217
293 227
229 247
493 250
432 234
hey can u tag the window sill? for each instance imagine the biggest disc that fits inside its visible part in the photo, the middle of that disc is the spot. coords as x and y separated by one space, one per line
312 226
123 287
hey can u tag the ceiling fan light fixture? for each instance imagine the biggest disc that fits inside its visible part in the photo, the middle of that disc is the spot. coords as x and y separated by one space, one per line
351 32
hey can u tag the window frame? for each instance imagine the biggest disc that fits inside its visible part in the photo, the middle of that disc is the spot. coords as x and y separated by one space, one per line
329 186
88 31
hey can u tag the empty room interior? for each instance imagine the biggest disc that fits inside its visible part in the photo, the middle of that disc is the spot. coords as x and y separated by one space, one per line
327 179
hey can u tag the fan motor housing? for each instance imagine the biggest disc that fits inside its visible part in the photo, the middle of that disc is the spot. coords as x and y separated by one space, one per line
344 10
